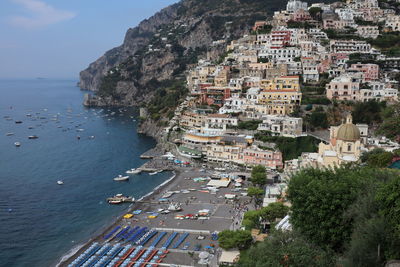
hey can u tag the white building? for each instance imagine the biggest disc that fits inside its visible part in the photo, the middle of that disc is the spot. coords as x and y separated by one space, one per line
294 5
282 125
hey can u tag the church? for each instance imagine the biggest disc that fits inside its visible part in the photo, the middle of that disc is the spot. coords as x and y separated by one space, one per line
344 146
346 143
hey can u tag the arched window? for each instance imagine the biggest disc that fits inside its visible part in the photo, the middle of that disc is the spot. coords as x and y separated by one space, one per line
348 147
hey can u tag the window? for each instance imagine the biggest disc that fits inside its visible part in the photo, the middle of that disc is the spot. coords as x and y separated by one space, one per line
348 147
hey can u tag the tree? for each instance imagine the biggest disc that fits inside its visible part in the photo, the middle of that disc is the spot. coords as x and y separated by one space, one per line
390 126
368 112
240 239
319 198
251 219
319 119
256 194
365 156
258 175
380 160
259 179
274 211
315 12
285 249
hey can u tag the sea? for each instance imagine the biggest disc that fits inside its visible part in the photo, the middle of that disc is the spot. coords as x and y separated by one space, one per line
41 221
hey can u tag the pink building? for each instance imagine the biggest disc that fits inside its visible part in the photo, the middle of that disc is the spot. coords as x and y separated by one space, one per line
343 88
301 15
370 71
256 156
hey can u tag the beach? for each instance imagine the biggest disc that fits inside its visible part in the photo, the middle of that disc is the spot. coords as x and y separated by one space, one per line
193 197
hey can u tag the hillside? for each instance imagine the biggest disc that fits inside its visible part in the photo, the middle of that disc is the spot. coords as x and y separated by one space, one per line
160 48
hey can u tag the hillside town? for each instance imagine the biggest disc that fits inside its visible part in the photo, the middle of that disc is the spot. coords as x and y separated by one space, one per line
261 81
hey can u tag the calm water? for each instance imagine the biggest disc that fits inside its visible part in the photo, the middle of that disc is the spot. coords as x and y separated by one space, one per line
39 220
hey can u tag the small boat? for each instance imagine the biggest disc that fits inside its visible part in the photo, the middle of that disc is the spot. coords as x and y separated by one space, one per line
91 137
133 171
9 134
153 173
60 182
78 137
121 178
33 137
119 198
17 144
18 122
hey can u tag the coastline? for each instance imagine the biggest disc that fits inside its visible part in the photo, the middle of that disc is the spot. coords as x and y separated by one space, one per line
170 182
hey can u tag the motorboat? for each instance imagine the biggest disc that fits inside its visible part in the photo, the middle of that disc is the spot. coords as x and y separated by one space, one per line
18 122
9 134
133 171
119 198
121 178
17 144
33 137
60 182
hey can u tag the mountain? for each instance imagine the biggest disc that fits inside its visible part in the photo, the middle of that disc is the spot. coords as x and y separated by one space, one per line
159 49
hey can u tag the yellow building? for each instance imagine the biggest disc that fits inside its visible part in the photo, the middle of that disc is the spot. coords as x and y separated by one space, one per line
280 94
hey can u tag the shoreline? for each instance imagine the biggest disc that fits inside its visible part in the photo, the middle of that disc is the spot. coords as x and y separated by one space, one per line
64 260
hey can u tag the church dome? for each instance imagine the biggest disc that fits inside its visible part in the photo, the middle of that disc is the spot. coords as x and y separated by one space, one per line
348 131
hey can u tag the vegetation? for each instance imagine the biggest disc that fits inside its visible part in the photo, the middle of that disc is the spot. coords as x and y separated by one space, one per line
291 148
285 249
388 43
298 24
340 210
235 239
368 112
259 175
318 119
249 125
166 97
390 126
256 194
253 219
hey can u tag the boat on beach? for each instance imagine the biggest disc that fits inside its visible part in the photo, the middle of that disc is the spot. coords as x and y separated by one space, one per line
156 172
119 198
133 171
121 178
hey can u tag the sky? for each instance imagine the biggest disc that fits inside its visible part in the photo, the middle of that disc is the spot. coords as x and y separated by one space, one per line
59 38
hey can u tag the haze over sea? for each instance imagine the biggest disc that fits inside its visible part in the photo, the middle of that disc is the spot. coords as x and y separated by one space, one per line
39 220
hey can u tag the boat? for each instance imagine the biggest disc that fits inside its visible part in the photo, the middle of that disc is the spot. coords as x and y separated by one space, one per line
153 173
17 144
18 122
9 134
33 137
119 198
133 171
60 182
121 178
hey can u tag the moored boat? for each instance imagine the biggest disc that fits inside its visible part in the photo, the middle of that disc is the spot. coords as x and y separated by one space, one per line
119 198
9 134
17 144
33 137
59 182
121 178
133 171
